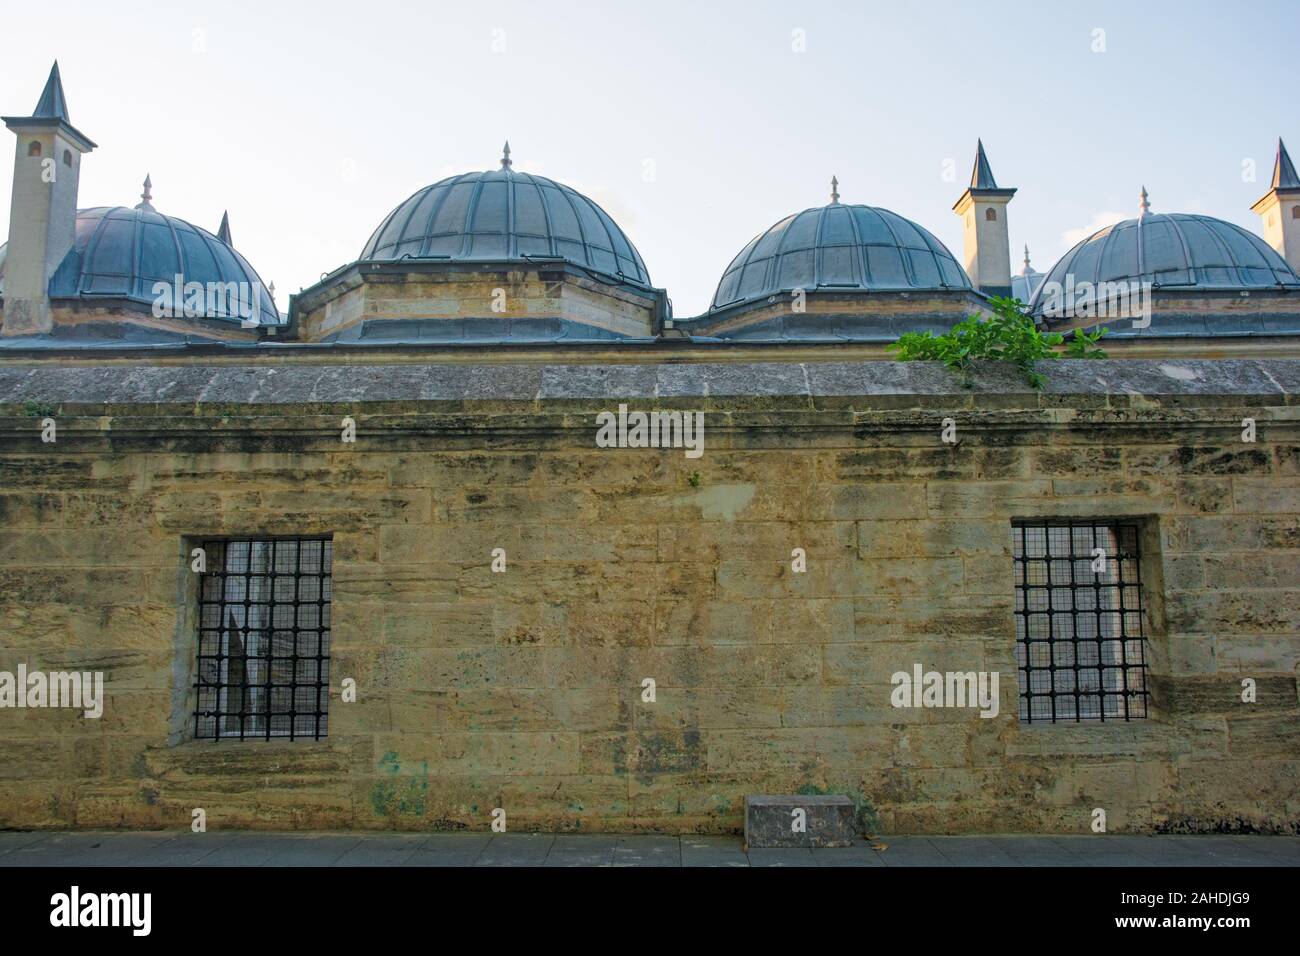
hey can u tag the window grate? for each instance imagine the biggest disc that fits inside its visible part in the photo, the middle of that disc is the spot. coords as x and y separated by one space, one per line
1080 641
264 639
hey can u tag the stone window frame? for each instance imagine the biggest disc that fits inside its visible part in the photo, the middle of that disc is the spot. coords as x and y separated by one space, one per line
1153 614
183 724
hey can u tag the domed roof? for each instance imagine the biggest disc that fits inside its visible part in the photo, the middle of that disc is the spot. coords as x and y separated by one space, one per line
121 252
840 247
502 215
1171 251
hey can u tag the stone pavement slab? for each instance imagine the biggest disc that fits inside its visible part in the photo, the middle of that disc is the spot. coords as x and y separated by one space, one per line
582 849
246 849
449 849
860 854
972 851
515 849
315 849
109 853
1037 851
1179 850
183 849
382 849
649 850
1100 849
781 856
83 849
464 848
713 851
16 839
1281 851
910 851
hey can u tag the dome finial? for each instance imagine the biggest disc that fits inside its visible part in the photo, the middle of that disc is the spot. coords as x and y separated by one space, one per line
835 190
506 162
1028 268
146 197
1146 203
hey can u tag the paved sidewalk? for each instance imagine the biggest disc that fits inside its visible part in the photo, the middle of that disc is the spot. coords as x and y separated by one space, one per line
18 849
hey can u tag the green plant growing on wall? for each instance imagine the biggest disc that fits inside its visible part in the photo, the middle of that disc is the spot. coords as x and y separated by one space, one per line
1008 335
37 409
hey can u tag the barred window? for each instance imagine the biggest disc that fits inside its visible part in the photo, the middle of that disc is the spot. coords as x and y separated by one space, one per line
1080 643
264 638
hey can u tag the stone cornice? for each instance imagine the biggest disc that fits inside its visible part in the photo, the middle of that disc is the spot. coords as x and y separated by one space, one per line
436 388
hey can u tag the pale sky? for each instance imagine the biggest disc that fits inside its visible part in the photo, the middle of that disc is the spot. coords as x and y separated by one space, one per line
696 125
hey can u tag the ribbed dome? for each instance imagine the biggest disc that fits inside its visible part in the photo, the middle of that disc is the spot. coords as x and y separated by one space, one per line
1172 251
504 215
840 247
121 253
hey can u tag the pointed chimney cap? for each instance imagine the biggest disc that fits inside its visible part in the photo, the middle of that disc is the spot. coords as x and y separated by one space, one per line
223 230
981 177
1284 174
1285 184
52 111
146 197
982 184
53 104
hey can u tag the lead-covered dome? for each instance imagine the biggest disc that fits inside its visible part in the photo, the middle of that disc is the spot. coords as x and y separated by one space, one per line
843 247
1172 251
123 253
503 215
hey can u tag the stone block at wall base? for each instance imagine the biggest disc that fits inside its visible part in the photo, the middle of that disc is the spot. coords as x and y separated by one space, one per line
798 821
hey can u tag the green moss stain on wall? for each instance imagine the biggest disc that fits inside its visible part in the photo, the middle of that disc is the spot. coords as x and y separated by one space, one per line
399 795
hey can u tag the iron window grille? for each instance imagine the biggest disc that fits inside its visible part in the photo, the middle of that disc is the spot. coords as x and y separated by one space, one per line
264 639
1080 641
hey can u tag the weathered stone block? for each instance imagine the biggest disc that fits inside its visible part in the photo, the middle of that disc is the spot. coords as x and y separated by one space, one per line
1190 460
798 821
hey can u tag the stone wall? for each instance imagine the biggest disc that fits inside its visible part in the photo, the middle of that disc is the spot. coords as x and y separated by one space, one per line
523 690
388 292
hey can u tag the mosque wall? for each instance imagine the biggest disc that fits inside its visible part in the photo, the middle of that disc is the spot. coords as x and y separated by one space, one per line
524 688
